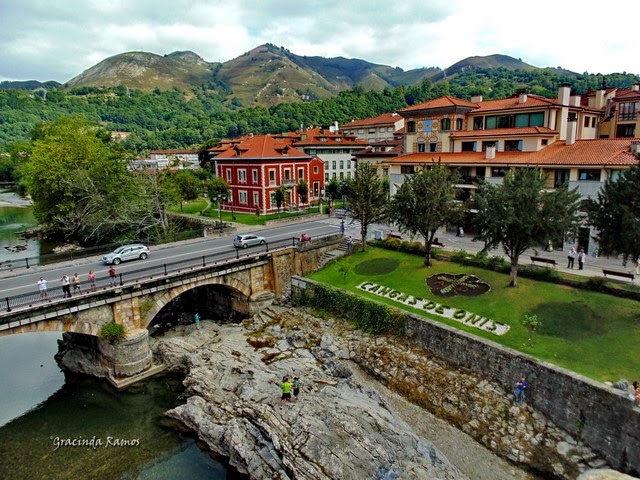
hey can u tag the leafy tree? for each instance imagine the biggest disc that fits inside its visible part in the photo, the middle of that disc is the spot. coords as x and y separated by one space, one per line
520 214
280 195
531 323
188 186
368 198
425 202
217 186
80 184
616 215
303 191
332 190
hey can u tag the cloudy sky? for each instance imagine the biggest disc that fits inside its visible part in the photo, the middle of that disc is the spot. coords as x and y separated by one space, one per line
57 40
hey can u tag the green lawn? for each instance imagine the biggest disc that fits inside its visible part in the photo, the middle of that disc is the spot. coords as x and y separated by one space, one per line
590 333
252 218
195 206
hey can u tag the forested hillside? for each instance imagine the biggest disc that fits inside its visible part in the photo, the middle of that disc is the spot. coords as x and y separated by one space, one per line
188 118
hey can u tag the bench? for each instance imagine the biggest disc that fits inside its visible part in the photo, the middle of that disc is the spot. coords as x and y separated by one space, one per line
394 235
615 273
438 244
549 261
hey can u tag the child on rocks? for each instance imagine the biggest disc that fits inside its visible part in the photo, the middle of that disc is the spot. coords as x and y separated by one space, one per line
296 388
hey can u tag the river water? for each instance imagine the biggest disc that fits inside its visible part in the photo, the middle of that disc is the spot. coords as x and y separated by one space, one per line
54 427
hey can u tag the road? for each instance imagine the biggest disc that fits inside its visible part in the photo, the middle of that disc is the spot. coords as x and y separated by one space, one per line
23 281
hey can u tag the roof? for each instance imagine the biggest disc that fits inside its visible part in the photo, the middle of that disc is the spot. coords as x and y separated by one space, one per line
513 102
262 146
313 137
173 152
440 102
384 119
600 152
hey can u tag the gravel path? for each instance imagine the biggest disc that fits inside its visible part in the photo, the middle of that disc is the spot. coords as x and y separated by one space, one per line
474 460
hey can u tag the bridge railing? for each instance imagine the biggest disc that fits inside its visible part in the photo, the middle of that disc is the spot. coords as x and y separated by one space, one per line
28 300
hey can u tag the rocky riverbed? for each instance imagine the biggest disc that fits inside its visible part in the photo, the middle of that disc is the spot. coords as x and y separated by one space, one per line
346 423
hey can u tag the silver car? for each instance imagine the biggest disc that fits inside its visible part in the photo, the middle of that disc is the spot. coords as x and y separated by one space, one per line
248 240
126 252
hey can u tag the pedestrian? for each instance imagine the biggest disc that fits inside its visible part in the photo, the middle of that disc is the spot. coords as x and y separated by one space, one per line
92 280
521 385
66 289
636 393
286 390
42 286
196 318
350 240
76 283
296 388
572 257
460 232
342 227
112 276
581 258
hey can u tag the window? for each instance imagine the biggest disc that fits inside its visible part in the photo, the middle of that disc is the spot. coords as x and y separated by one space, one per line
316 188
333 164
407 169
513 145
389 129
254 175
349 175
458 124
315 169
478 123
348 164
535 119
323 139
326 177
544 142
272 177
593 122
372 130
312 151
625 131
411 127
228 174
445 124
256 199
334 175
242 175
341 164
385 172
287 174
499 171
338 139
433 147
300 173
586 122
481 172
422 147
589 175
326 165
468 146
242 197
628 111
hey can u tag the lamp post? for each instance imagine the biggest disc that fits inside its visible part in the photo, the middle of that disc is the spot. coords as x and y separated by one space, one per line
320 201
221 198
233 213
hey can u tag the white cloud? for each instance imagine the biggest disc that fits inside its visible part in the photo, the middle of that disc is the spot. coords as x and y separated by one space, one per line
46 40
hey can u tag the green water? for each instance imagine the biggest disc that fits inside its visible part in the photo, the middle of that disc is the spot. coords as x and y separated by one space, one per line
121 434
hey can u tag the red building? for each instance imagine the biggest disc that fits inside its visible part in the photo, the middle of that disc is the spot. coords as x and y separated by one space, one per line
255 167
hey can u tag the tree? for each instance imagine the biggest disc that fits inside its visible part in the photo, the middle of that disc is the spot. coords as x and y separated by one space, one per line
188 186
303 191
332 190
425 202
616 215
531 323
217 186
520 214
80 185
368 199
280 195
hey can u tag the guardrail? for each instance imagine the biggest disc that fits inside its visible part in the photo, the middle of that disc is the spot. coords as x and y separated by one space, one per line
54 295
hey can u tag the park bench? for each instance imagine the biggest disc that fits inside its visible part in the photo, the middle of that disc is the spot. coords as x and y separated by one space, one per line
438 244
615 273
549 261
394 235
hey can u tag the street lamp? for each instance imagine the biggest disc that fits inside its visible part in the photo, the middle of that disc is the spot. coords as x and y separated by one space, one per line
221 198
233 213
320 201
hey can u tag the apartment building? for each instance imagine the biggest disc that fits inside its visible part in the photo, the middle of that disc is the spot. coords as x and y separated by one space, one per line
376 129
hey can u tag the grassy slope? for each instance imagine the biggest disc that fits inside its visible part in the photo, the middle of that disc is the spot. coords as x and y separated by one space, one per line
589 333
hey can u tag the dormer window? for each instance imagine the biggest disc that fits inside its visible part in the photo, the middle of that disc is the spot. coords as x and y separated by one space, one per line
338 139
323 139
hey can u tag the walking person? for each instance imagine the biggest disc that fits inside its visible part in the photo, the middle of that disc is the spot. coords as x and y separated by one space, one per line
286 390
112 276
66 287
572 257
581 258
42 287
342 227
76 283
196 319
92 280
521 386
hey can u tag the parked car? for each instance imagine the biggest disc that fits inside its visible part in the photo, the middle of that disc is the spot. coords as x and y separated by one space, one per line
126 252
248 240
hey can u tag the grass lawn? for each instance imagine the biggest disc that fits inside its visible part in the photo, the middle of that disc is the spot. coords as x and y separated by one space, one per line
195 206
587 332
252 218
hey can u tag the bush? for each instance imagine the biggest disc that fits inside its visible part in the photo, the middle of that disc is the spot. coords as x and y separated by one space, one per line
596 284
113 332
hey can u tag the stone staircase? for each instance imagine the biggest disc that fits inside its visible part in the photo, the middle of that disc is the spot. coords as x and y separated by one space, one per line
341 250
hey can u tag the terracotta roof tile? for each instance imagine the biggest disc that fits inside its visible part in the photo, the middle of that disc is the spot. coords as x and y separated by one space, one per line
600 152
446 101
262 146
384 119
533 101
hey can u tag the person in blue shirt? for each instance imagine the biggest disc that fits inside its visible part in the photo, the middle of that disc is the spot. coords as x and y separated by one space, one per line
521 386
196 318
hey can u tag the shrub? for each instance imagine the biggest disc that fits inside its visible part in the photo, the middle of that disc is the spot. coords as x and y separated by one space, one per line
113 332
596 284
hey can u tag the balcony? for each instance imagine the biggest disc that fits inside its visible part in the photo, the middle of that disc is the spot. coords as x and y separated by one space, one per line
288 182
586 188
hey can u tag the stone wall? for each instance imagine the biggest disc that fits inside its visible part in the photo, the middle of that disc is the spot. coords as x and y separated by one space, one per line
594 413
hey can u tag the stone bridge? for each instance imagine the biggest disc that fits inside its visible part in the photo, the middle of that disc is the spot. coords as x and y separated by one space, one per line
234 287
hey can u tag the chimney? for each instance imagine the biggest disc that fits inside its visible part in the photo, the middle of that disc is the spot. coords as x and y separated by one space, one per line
522 98
572 126
599 103
476 98
490 152
564 93
635 147
575 101
635 87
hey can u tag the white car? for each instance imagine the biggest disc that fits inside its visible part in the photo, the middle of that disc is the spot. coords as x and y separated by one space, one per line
248 240
126 252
